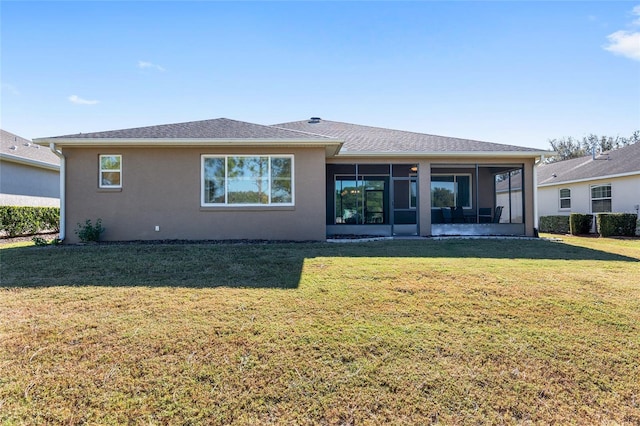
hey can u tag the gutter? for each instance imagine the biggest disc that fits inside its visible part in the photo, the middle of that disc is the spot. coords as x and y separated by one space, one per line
29 162
451 154
332 146
589 179
63 228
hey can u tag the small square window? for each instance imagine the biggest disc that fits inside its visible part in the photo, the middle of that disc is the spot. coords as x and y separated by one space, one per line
110 171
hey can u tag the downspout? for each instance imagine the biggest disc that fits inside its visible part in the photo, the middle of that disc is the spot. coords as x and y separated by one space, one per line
535 194
59 153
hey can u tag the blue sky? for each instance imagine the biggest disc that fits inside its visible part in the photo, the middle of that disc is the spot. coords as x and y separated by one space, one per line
510 72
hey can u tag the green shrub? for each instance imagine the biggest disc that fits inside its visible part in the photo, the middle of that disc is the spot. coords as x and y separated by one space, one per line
580 223
616 224
19 220
39 241
554 224
89 232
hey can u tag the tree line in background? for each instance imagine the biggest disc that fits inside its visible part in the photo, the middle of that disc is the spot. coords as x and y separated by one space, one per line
569 147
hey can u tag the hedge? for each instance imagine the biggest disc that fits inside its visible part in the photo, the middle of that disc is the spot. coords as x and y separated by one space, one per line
580 223
554 224
18 220
616 224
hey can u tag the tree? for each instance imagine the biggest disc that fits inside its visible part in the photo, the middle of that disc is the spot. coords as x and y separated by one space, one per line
568 147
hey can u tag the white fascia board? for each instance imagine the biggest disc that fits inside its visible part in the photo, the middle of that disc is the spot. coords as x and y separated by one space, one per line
332 145
29 162
567 182
467 154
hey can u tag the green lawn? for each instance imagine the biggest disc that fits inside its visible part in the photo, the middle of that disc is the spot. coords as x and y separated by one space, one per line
400 332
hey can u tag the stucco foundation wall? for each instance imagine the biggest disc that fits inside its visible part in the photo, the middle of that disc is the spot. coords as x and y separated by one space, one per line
161 187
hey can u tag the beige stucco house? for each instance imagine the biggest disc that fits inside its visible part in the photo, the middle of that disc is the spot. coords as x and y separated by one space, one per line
608 182
29 173
305 180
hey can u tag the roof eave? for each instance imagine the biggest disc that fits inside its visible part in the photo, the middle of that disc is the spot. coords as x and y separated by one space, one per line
332 146
590 179
466 154
29 162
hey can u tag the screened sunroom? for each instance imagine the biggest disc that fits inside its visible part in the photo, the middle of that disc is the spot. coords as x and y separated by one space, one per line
478 199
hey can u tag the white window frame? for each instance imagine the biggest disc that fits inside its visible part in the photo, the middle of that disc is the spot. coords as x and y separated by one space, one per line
560 198
101 171
226 157
591 199
455 182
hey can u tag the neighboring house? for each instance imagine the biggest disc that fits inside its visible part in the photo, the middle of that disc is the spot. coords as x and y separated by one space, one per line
29 173
609 182
304 180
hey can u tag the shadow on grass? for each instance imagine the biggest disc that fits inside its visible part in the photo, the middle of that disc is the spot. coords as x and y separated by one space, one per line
273 265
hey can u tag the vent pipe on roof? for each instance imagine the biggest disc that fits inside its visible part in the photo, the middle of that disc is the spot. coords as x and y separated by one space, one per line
314 120
594 157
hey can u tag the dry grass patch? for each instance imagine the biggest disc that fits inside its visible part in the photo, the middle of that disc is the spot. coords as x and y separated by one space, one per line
387 332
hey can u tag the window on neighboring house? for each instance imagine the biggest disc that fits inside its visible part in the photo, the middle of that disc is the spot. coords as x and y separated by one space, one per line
601 198
451 191
565 199
110 171
247 180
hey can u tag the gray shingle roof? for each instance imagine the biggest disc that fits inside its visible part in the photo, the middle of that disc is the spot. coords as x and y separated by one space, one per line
620 161
220 128
380 140
357 139
14 147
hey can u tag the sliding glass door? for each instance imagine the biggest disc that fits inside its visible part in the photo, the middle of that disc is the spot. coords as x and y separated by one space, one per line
362 200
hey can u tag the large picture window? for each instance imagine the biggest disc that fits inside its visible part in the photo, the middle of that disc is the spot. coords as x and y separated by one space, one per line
249 180
451 191
601 198
110 171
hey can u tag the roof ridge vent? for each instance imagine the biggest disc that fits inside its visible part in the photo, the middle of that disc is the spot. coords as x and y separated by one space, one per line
314 120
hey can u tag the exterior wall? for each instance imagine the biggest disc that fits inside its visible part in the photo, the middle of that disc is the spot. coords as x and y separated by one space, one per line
625 195
23 185
424 198
161 187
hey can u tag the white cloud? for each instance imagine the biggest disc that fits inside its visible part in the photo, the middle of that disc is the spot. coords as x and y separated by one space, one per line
626 43
145 64
79 101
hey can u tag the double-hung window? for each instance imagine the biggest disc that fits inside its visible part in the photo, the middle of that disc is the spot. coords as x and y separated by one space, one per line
601 198
110 171
249 180
565 199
